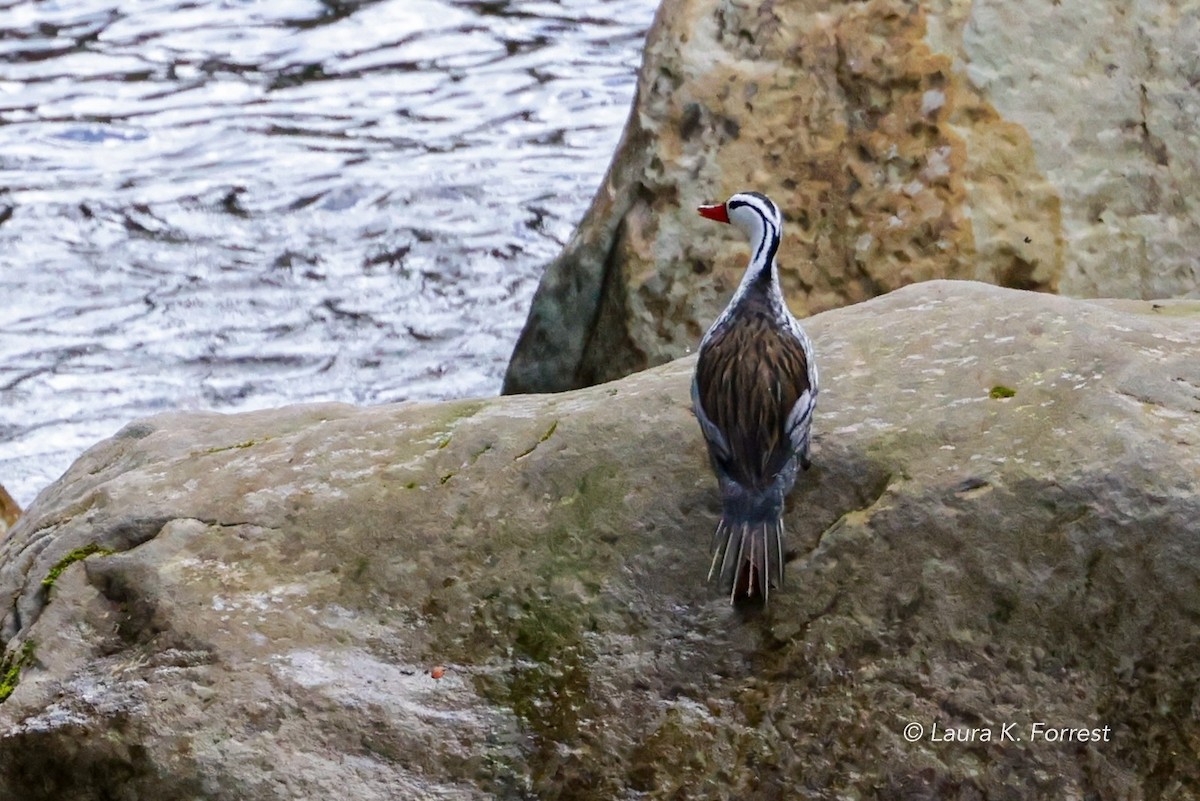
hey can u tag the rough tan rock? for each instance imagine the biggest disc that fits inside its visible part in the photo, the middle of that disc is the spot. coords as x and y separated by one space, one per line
1049 148
10 510
285 582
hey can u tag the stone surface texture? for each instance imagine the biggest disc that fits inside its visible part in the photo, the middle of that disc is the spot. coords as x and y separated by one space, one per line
1048 146
10 510
285 583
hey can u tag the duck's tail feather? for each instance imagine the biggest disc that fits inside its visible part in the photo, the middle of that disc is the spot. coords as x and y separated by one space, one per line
748 556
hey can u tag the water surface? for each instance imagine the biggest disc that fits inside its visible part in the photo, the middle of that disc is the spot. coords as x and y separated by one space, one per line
231 205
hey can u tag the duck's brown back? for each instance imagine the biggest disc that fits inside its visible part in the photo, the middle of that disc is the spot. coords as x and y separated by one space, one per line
749 376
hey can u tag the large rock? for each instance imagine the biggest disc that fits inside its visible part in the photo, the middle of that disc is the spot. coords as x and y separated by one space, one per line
10 511
999 528
1050 146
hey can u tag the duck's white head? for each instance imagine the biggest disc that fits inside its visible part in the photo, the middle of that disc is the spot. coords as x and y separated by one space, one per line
755 215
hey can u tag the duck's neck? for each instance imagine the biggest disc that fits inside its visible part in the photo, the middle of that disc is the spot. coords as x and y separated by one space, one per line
761 274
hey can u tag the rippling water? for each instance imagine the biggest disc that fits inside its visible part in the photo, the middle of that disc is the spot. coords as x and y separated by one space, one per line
230 204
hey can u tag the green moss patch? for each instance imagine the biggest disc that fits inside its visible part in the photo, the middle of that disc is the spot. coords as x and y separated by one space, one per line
547 685
549 433
1001 391
11 666
461 411
77 555
237 446
443 431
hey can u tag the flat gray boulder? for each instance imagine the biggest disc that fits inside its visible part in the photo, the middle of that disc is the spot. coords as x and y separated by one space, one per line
505 598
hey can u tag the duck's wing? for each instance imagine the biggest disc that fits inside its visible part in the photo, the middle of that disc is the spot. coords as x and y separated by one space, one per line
752 392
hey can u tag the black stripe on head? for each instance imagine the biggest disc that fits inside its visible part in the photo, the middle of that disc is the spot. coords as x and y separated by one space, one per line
771 217
760 203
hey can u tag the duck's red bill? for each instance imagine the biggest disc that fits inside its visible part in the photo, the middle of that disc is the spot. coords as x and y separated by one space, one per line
716 212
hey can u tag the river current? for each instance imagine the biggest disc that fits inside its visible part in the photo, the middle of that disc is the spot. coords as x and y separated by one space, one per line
238 204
